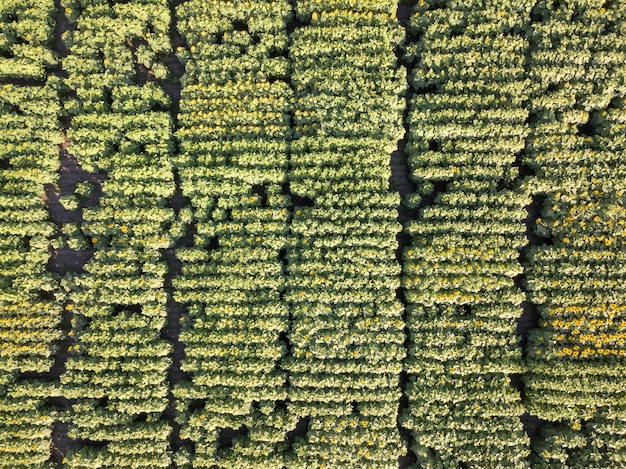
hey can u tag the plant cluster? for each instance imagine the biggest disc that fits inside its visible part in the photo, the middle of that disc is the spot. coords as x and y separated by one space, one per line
578 352
29 315
26 29
234 128
466 124
347 330
29 160
121 127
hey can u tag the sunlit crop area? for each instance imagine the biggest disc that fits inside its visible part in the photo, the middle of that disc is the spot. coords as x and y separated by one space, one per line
312 234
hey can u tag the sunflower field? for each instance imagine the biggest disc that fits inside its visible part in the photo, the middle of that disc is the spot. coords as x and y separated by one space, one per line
292 234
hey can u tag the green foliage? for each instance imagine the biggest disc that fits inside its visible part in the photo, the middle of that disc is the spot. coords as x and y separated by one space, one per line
118 361
289 278
346 331
26 30
466 125
29 319
576 146
234 126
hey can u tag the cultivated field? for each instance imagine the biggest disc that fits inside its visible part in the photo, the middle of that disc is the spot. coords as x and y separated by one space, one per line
312 234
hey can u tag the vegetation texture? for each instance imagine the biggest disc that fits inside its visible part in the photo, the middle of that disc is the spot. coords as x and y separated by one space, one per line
206 262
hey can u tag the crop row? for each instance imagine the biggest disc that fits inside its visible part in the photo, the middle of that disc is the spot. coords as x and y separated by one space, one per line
466 125
121 129
233 134
342 272
30 318
576 146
